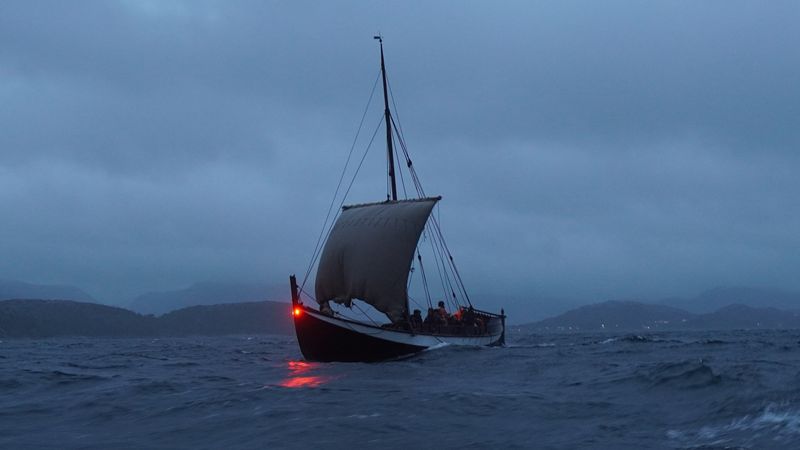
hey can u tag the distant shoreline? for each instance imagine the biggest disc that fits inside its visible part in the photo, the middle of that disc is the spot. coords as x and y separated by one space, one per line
36 318
631 316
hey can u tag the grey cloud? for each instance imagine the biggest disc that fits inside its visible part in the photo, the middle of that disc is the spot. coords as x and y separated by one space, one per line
584 150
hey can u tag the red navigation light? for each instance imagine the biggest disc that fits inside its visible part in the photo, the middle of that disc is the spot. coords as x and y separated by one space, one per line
296 312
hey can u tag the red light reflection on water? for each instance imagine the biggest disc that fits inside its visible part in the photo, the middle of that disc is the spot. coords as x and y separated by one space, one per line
301 375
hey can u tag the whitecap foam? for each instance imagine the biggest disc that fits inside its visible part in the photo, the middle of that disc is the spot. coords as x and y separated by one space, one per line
776 423
532 345
437 346
363 416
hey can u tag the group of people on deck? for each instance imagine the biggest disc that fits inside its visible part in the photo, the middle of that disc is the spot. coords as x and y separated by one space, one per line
438 319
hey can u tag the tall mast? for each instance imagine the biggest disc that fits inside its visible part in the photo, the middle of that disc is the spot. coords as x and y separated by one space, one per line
388 122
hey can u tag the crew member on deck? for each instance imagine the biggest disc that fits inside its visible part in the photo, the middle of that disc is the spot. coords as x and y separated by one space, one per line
443 312
431 319
416 320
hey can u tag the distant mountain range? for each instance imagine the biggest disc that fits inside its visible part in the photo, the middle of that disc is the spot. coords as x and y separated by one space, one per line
10 289
207 294
632 316
204 293
720 297
721 308
50 318
614 315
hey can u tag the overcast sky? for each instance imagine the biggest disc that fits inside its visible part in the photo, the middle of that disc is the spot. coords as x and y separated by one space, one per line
584 150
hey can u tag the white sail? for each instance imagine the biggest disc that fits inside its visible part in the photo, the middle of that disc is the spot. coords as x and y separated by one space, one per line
369 252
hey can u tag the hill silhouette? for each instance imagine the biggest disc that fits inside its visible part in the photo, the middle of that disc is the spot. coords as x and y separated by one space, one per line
615 315
206 293
720 297
233 318
632 316
13 289
50 318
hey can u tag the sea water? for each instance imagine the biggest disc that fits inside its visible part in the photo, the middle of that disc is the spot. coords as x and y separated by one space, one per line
649 390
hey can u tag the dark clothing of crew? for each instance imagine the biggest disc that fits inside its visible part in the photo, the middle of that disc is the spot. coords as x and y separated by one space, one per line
441 311
430 319
469 316
416 319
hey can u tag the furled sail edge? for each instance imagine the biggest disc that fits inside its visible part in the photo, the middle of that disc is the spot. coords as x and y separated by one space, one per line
385 202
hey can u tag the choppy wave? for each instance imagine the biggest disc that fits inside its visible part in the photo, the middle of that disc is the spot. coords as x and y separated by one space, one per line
776 426
644 390
690 374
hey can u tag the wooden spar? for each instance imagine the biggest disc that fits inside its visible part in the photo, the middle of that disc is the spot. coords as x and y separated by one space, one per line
389 143
295 296
502 340
388 123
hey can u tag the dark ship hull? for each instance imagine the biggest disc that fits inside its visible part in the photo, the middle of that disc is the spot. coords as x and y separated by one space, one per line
325 338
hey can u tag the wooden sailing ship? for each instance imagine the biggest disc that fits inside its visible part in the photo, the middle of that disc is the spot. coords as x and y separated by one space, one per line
367 257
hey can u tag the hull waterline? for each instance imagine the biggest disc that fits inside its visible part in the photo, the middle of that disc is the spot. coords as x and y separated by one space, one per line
325 339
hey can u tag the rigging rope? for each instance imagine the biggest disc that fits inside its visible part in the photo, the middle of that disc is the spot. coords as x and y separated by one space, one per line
439 251
424 278
402 179
362 312
396 111
450 258
438 243
409 164
416 303
438 268
432 232
341 177
344 197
